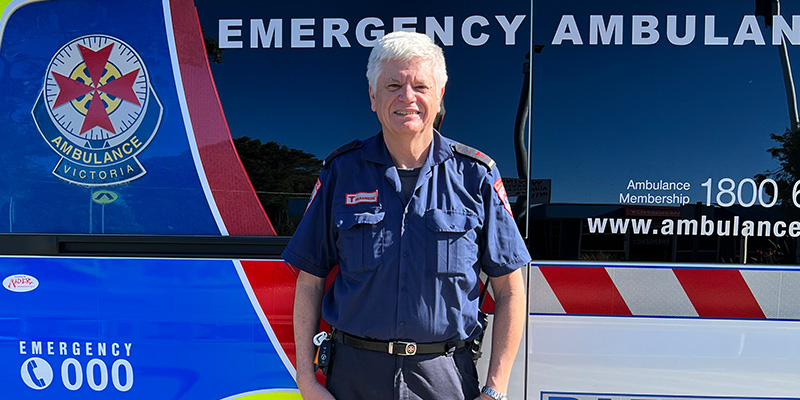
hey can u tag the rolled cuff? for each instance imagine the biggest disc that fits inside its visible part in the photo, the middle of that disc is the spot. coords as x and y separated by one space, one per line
302 264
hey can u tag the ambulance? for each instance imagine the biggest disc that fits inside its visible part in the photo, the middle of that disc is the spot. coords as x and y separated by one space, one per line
157 155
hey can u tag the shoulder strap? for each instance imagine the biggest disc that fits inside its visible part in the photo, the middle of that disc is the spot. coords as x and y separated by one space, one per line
474 154
341 150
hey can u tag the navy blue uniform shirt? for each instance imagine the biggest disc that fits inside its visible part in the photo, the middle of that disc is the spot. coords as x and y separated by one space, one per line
406 271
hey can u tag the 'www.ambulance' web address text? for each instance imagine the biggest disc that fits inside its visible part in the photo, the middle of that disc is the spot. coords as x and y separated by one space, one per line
694 227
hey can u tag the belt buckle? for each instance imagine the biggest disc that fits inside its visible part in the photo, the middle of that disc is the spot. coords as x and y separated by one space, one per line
403 348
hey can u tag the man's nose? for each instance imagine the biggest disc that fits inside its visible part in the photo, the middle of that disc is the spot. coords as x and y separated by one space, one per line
407 94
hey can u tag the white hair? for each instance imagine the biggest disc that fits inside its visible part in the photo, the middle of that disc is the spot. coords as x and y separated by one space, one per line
406 46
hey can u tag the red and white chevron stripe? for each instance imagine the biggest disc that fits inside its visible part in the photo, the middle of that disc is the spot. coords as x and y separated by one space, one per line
666 291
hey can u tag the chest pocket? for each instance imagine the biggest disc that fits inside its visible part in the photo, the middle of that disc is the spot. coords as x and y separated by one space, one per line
455 251
361 241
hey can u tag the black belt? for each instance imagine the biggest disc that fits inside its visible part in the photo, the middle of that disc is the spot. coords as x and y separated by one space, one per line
398 347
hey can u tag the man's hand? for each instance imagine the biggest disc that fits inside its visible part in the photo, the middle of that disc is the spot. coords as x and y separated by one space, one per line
312 390
307 304
507 328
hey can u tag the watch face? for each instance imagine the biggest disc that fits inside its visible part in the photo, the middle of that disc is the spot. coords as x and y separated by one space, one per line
96 90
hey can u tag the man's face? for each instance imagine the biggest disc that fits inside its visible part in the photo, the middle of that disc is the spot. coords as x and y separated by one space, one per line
406 98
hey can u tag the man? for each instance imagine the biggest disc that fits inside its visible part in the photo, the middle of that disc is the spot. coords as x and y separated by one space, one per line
411 218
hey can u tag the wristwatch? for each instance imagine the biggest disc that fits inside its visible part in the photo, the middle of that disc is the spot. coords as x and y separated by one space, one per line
494 393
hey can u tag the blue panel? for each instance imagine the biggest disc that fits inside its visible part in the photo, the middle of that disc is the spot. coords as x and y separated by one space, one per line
189 324
166 199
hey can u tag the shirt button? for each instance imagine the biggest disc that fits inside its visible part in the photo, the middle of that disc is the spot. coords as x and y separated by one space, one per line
405 255
403 289
452 227
402 323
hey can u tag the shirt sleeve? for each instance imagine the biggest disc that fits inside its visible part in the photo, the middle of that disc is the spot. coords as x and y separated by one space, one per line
504 250
312 248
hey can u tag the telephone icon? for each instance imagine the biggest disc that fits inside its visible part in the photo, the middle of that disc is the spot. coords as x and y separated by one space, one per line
34 376
36 373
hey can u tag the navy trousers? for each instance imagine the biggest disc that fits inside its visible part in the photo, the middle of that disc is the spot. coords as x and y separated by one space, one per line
357 374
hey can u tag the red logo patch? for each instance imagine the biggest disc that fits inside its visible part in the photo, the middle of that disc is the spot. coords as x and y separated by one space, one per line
501 193
361 197
313 195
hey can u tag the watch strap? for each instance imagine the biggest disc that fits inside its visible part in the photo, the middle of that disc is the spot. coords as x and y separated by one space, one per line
494 393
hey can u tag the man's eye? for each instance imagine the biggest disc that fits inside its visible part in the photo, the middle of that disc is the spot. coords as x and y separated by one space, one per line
392 86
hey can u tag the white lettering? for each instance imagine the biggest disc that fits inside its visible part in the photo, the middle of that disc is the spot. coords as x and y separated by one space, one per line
510 28
710 37
368 31
748 228
567 30
226 33
128 349
115 375
749 30
334 28
672 30
644 30
667 227
466 30
606 30
404 24
77 373
781 29
273 34
434 30
299 30
794 229
598 27
780 228
90 377
376 34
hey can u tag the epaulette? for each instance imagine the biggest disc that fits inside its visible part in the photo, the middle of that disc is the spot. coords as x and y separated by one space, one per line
474 154
341 150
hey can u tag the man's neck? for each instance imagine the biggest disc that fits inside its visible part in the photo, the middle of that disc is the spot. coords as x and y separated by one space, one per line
409 152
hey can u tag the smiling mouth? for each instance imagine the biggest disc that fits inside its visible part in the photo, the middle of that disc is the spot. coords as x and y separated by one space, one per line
406 112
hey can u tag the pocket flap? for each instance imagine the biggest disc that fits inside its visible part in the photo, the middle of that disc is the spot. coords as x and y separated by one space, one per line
349 220
444 221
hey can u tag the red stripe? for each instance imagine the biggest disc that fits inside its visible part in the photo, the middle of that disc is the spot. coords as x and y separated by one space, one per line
719 293
488 300
233 193
585 290
273 284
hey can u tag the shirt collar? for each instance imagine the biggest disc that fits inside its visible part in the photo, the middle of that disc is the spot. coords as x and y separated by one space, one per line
376 151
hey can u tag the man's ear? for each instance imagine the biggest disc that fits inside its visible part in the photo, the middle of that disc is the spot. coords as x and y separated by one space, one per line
441 98
371 98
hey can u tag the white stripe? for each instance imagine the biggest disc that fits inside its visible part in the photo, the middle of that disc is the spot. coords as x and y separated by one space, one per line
264 322
253 392
212 205
790 290
776 292
543 299
652 291
766 288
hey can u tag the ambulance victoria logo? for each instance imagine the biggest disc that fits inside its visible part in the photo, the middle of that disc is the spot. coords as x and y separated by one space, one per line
97 110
